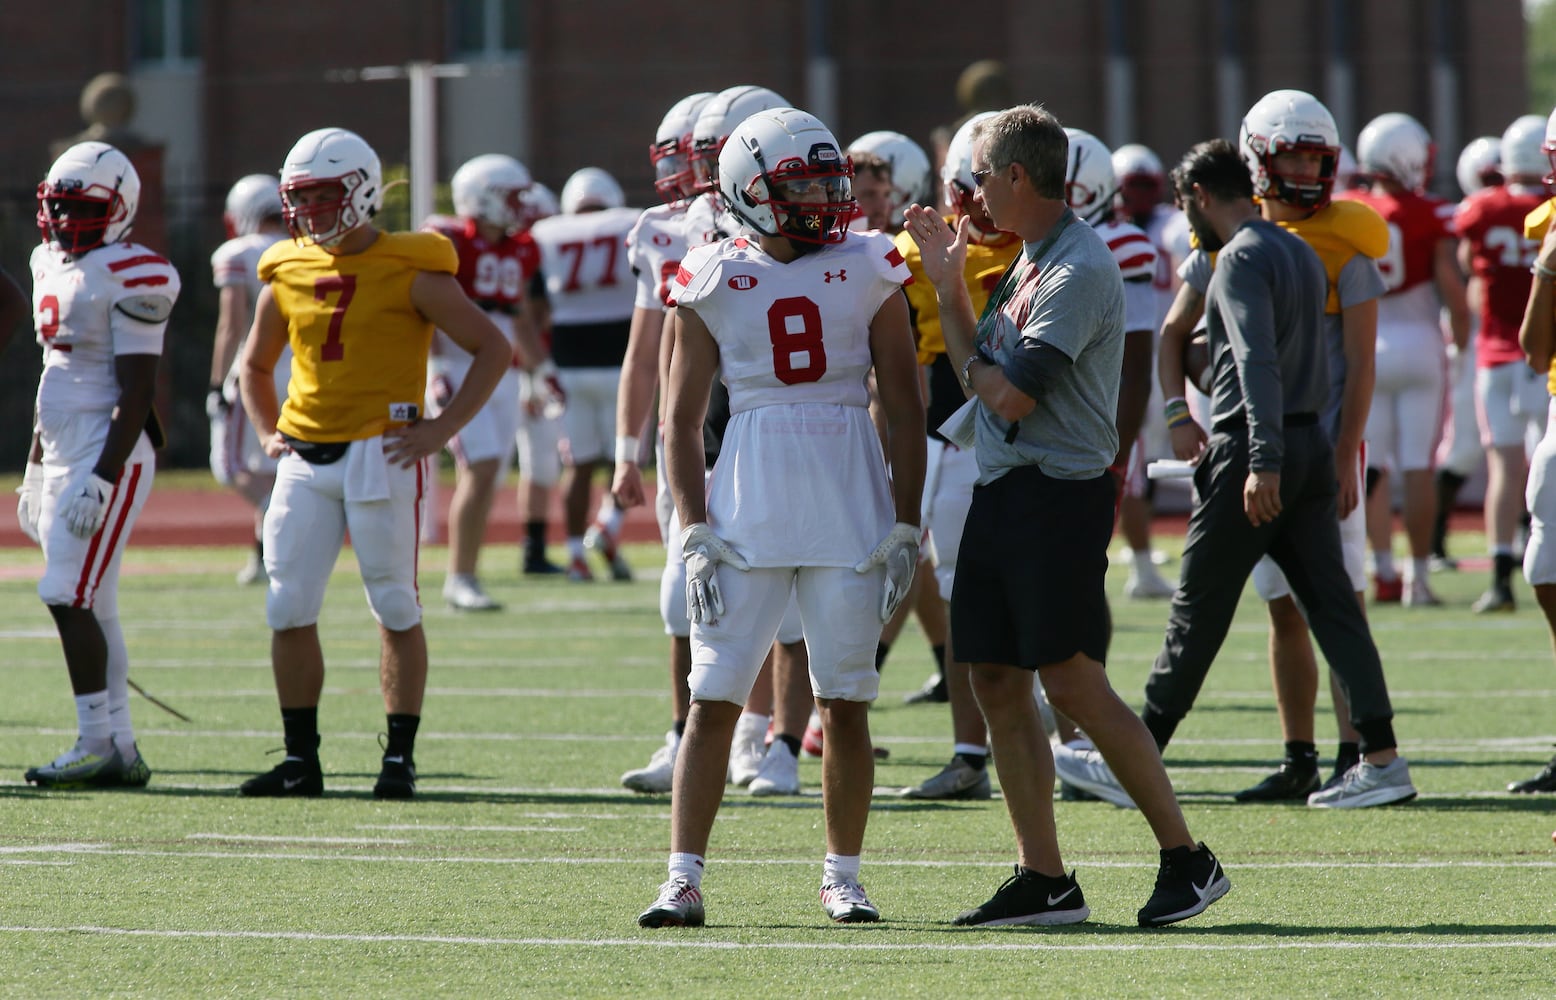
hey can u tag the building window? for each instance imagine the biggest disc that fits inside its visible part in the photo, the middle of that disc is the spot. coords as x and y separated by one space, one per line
165 32
488 29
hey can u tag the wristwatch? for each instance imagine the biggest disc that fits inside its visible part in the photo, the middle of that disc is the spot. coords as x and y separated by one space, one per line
967 368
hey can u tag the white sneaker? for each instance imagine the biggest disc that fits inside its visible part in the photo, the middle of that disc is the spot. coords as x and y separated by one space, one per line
464 593
657 777
1145 584
846 903
1419 595
1367 785
253 571
779 773
1081 765
747 751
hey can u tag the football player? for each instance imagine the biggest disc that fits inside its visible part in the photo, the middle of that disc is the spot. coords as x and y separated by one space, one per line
359 308
1460 452
1510 399
1537 336
791 319
590 288
872 190
1291 145
951 470
253 221
1422 277
100 306
496 263
908 172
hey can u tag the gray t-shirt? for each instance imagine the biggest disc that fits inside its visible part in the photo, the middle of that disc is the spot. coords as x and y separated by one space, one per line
1265 309
1070 298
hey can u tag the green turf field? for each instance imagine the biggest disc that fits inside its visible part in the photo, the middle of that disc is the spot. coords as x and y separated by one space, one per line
521 866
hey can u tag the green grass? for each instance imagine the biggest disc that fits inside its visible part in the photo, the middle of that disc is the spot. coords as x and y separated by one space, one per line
520 868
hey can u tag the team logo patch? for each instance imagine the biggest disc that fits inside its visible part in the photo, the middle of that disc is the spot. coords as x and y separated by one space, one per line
841 275
404 413
742 282
662 239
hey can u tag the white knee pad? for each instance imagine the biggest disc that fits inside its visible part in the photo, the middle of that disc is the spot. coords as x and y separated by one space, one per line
394 605
672 596
288 607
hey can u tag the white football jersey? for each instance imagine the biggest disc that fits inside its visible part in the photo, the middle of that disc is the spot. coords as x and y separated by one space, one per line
1156 228
584 259
1136 256
236 262
794 350
655 247
113 300
708 222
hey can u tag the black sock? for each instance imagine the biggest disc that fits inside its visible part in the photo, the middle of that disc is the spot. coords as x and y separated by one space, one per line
534 541
680 728
402 736
301 726
1346 755
1448 484
939 652
1303 755
976 761
1161 727
792 742
881 649
1503 565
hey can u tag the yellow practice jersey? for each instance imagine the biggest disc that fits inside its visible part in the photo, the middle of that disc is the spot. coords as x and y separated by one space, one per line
985 265
1535 225
359 347
1337 232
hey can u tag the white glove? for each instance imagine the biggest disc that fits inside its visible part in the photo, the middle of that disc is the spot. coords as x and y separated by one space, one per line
85 505
703 551
216 405
541 392
29 503
898 552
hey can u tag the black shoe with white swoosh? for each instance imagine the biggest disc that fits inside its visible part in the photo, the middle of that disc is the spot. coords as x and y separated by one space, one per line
1189 880
1030 898
293 777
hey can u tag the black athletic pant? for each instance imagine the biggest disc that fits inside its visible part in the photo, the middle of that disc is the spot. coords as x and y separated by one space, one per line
1220 552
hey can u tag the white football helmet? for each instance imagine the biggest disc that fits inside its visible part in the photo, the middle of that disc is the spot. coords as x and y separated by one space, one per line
1348 174
1523 151
1141 180
1395 145
1480 164
1088 177
782 173
540 202
1289 121
331 156
591 189
490 188
716 120
909 168
88 198
252 200
671 153
956 170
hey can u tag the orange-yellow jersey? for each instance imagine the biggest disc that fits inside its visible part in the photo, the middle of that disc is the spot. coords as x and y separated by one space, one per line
359 347
1535 225
986 263
1338 232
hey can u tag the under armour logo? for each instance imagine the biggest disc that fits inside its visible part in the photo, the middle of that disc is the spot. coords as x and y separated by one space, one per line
842 275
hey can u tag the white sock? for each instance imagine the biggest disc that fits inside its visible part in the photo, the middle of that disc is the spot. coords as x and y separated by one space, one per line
840 868
575 547
1417 569
751 723
970 749
92 719
687 866
1141 559
118 686
1383 565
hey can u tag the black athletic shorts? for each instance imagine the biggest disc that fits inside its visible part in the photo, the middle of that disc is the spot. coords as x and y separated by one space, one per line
1030 574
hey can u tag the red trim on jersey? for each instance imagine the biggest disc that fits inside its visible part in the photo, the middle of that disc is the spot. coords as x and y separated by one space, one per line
683 276
1128 238
421 471
1138 260
129 262
894 257
150 279
125 499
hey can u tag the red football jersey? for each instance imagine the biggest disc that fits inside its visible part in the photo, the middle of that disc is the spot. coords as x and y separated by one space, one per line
1417 223
493 275
1492 220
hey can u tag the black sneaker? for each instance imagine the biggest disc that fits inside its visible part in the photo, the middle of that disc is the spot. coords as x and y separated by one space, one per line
1293 782
1188 881
293 777
542 567
1497 599
396 780
1030 898
1545 781
1074 793
933 692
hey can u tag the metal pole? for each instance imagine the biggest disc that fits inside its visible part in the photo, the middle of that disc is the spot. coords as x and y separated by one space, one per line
424 141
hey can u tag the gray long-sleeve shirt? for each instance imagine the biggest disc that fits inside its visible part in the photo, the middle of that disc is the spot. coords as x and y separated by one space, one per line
1265 315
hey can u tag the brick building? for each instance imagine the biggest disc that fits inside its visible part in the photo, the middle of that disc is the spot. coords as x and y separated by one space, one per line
226 86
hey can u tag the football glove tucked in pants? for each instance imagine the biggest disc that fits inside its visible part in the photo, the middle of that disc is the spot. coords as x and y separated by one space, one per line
898 552
703 551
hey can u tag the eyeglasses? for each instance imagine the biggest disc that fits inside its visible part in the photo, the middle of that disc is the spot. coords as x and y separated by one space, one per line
979 176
